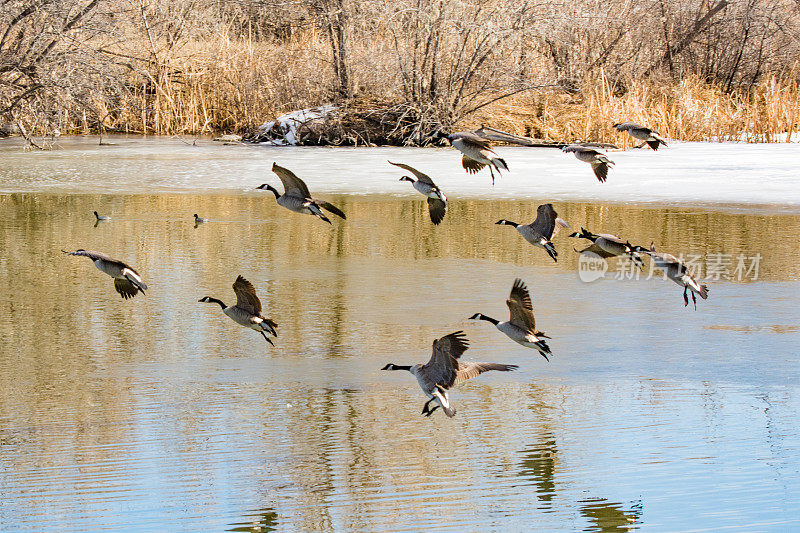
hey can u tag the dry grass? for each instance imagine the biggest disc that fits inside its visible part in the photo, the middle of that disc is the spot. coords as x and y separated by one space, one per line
691 110
221 85
228 85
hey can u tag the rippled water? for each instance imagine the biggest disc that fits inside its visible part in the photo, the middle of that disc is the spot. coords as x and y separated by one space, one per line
160 414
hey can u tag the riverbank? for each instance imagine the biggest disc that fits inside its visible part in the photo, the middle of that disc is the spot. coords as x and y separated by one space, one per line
689 110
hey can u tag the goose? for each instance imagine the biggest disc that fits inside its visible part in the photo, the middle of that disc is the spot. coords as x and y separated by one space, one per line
521 326
247 310
127 282
606 245
444 371
477 153
437 201
542 230
675 270
99 218
598 160
642 133
199 220
296 197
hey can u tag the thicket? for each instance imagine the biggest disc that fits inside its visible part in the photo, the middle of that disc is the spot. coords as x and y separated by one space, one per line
694 69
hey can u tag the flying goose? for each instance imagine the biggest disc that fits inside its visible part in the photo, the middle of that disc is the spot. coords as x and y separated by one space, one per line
606 245
477 152
247 310
296 197
677 272
437 201
127 282
199 220
521 326
642 133
542 230
444 371
598 160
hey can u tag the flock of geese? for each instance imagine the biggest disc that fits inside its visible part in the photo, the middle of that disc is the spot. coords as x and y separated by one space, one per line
444 369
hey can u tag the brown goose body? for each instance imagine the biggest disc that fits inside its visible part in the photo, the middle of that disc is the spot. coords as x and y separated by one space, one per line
296 196
127 282
444 370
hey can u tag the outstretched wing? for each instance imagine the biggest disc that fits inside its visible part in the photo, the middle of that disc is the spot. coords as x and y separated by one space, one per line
125 288
437 209
291 183
625 126
545 222
420 176
332 208
470 165
443 364
600 170
94 256
246 298
520 306
595 249
474 139
560 223
470 370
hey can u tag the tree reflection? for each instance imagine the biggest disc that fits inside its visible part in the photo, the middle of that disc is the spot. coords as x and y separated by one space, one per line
539 465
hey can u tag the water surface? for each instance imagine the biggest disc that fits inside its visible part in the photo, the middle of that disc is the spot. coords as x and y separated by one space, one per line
159 413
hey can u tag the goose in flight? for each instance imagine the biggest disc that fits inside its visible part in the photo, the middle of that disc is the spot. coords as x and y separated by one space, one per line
675 270
606 245
477 153
247 311
598 160
296 196
127 282
541 231
521 326
444 371
642 133
437 201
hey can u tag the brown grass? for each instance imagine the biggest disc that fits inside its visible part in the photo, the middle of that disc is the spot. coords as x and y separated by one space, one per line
228 85
690 110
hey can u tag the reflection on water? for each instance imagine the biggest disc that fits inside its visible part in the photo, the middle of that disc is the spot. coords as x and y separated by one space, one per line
159 413
608 517
262 520
539 464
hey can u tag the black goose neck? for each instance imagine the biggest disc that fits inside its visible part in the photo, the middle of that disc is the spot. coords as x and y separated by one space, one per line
489 319
216 301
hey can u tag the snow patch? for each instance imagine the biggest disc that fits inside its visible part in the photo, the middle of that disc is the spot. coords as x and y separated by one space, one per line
285 130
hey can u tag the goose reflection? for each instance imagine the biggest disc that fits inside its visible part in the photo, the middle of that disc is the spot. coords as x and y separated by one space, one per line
261 520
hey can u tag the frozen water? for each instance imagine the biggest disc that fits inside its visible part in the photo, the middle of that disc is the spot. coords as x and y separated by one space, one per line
696 173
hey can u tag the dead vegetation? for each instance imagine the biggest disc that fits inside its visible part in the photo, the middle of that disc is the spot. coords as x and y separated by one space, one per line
403 71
